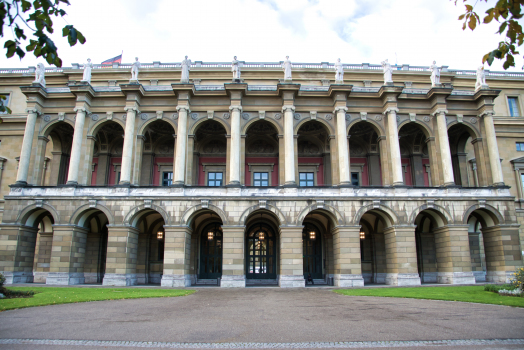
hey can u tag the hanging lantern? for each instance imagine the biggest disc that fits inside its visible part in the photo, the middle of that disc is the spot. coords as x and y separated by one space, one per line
312 235
210 235
362 235
160 235
261 235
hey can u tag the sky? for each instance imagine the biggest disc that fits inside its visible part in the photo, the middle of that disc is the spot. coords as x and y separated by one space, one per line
413 32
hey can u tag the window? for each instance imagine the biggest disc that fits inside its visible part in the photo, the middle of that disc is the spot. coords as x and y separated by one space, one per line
522 179
167 178
306 179
214 179
6 102
354 179
117 178
520 146
513 103
260 179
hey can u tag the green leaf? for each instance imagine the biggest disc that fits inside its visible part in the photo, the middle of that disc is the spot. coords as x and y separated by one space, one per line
461 17
20 52
502 27
472 23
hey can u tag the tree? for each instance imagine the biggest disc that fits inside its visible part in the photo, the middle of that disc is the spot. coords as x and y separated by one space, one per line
506 12
17 15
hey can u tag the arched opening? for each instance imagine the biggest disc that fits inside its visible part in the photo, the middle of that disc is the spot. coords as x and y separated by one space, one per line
364 152
261 149
476 248
157 154
94 266
57 155
262 248
317 246
43 247
415 156
314 157
210 154
463 147
107 154
207 241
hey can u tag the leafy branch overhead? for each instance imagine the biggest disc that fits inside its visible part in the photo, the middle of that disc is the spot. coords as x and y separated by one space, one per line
21 15
507 13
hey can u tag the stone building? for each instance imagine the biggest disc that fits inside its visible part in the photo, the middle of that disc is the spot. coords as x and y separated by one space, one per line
261 180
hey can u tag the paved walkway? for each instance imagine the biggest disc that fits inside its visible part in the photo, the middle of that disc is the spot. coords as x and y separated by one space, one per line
280 318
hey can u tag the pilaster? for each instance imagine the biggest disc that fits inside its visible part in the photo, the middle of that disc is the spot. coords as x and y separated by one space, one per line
122 243
347 259
233 257
17 251
453 255
177 255
291 257
401 256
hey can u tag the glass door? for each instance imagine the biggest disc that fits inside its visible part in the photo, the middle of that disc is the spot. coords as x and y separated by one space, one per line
312 251
211 252
261 253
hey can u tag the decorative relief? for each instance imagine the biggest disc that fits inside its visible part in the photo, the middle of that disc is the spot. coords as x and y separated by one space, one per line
175 116
473 120
144 116
61 116
356 150
306 147
215 147
412 117
245 116
226 115
297 116
94 117
124 117
194 116
47 118
109 115
348 117
363 115
159 114
261 146
398 118
278 116
378 117
427 118
329 116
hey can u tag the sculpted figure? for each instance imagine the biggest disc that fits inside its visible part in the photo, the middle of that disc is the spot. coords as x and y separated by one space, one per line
87 71
235 68
186 67
339 71
134 69
481 78
40 74
286 66
435 74
388 72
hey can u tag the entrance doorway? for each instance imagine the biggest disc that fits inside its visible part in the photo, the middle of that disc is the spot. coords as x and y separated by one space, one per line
261 252
312 250
211 252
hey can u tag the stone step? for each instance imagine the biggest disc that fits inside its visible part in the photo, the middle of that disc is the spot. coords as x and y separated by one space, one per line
264 282
206 282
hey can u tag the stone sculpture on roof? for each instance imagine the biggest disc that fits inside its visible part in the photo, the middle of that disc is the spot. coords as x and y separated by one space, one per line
40 74
339 71
481 79
435 74
388 72
235 69
87 71
134 70
186 67
286 66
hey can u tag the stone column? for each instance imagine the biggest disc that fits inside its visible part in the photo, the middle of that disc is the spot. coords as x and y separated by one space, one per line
445 152
493 149
401 256
394 147
39 160
17 252
291 258
233 258
129 140
139 150
76 149
342 143
67 255
27 145
121 258
181 147
347 260
234 157
2 161
503 254
289 147
177 255
453 256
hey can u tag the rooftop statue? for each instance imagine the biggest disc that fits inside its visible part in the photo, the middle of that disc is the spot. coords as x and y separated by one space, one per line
435 74
235 69
286 66
388 72
87 71
481 79
186 67
339 71
134 70
40 74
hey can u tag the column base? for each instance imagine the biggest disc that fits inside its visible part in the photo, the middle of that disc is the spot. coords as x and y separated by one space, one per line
124 184
349 280
456 278
451 185
499 184
40 277
345 185
286 281
403 279
120 279
290 184
177 184
499 276
480 276
19 184
17 277
235 184
233 281
338 82
65 278
176 281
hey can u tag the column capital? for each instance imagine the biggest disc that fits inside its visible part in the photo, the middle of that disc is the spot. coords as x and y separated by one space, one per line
290 107
186 108
134 109
43 138
487 113
237 107
439 111
82 109
390 110
340 109
35 110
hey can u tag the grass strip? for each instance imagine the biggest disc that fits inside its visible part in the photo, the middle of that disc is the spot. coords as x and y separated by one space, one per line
472 294
66 295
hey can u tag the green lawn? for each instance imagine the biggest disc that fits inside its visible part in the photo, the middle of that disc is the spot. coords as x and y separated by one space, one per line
473 294
65 295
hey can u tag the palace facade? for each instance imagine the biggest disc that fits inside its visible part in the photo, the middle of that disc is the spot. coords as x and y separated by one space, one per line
261 180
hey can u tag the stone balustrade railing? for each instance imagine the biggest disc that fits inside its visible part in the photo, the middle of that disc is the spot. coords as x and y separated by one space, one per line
242 64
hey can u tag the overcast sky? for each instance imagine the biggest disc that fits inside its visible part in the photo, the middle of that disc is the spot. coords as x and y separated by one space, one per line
414 32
